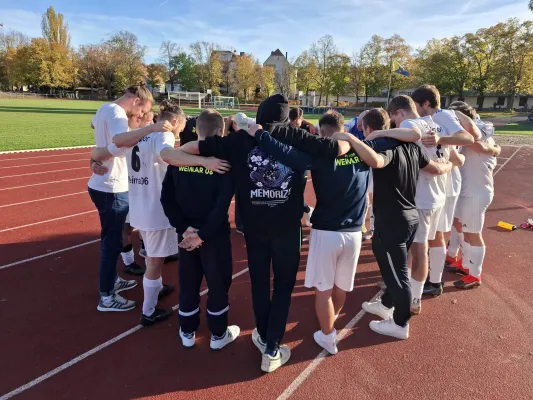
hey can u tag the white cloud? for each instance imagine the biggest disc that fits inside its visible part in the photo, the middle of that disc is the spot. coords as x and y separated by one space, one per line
291 25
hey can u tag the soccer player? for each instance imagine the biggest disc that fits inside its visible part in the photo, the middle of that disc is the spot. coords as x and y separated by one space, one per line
430 191
147 157
396 221
477 192
452 133
296 119
196 202
335 244
109 192
355 127
270 197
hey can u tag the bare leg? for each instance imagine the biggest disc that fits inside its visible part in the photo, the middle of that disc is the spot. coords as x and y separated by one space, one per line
325 311
338 297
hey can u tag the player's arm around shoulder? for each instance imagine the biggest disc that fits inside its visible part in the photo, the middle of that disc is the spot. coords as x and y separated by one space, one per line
365 153
456 158
131 138
486 147
181 158
408 132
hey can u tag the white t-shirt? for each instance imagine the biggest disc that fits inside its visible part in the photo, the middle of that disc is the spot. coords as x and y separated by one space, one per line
450 125
477 171
146 171
110 120
430 189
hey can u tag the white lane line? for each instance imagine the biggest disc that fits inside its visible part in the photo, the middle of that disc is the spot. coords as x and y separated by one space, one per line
48 220
43 199
40 173
47 254
46 183
509 159
300 379
47 163
53 155
49 149
90 353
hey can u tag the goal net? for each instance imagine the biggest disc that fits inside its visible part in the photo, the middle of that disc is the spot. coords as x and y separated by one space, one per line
225 102
192 99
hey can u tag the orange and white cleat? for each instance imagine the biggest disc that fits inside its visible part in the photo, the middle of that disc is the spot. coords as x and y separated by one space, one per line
450 260
468 282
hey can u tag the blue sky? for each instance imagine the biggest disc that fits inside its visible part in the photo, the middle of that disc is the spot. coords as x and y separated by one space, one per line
260 26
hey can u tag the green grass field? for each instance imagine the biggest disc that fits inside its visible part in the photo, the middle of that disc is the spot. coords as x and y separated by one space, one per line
42 123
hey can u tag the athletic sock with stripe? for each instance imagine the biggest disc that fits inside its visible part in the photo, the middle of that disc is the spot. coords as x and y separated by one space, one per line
437 257
151 287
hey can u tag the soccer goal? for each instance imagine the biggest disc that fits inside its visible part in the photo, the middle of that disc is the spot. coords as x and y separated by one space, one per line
194 99
231 103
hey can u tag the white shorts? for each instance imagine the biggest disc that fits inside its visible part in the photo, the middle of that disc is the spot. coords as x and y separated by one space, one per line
447 214
332 259
428 221
370 188
471 211
162 243
128 218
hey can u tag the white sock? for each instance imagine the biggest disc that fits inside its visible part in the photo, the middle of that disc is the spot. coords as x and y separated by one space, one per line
437 257
371 218
151 287
466 254
456 240
128 257
476 255
117 280
417 288
106 299
332 337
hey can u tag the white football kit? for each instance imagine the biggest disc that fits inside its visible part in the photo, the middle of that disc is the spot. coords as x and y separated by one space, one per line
430 189
146 171
477 189
449 124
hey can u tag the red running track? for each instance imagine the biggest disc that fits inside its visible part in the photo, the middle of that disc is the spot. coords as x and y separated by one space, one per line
474 344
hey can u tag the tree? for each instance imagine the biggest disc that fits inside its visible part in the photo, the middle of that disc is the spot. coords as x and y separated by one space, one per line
530 5
155 75
355 84
267 79
307 72
167 52
340 72
322 52
396 49
98 64
515 55
243 76
54 28
208 65
10 43
374 73
129 54
185 72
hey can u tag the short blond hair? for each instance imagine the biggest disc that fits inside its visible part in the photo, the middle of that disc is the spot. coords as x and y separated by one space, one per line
209 122
141 92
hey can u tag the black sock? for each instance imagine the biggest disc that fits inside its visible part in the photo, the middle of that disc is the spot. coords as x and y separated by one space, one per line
127 248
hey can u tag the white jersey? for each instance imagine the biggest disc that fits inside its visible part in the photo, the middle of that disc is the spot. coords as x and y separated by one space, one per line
430 188
110 120
146 171
450 125
478 169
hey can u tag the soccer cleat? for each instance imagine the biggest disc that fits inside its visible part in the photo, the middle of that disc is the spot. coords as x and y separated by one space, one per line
308 217
457 268
142 250
432 289
159 315
165 291
468 282
217 343
122 285
187 339
134 269
271 363
377 308
116 303
256 338
389 328
172 258
416 306
450 260
322 341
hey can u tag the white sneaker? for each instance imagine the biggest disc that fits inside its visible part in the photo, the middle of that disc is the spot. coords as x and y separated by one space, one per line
416 306
258 342
187 339
231 334
329 345
270 364
308 216
389 328
377 308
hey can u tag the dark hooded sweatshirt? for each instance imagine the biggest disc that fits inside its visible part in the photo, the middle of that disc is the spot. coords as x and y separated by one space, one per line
270 194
